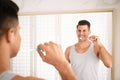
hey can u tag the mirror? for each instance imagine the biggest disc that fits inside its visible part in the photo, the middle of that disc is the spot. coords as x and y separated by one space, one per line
60 28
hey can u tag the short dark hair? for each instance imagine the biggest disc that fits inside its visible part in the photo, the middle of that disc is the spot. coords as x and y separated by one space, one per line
83 22
8 15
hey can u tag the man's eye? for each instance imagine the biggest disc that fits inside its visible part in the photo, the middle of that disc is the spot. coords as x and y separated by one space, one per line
84 30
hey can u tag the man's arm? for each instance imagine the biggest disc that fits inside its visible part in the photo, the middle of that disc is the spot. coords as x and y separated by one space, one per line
105 56
102 53
65 71
67 52
55 57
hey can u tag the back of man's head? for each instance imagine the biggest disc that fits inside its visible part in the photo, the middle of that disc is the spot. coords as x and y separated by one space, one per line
8 15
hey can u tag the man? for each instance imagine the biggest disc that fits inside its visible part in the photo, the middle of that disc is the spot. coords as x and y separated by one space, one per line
85 54
10 44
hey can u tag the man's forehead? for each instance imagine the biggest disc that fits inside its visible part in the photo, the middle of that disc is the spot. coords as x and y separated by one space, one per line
82 27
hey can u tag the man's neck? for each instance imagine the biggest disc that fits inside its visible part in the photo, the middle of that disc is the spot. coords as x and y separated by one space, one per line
83 44
4 58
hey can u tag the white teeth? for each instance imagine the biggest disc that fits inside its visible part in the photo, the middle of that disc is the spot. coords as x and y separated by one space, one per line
81 38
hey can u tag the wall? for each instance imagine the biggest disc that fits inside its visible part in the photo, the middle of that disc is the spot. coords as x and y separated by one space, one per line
117 43
44 6
63 5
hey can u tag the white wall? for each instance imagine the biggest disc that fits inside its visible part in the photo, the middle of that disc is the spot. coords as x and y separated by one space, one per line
79 5
63 5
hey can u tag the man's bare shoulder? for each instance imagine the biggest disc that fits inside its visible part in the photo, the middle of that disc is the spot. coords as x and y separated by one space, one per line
67 53
68 48
26 78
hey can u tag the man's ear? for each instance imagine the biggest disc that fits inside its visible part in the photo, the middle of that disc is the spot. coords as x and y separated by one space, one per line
10 34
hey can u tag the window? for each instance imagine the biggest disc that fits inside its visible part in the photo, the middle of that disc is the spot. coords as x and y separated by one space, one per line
60 28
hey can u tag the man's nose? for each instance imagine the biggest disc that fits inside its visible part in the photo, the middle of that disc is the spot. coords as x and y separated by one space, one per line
81 33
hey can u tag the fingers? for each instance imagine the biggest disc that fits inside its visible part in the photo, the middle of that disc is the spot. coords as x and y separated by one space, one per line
93 38
44 49
41 55
41 48
41 51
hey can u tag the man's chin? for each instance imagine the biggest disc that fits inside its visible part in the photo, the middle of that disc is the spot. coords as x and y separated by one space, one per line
12 56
